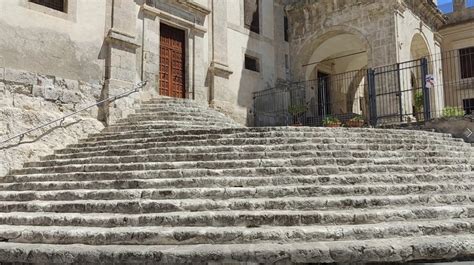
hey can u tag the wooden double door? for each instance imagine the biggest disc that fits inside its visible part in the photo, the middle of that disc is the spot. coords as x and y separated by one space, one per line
172 62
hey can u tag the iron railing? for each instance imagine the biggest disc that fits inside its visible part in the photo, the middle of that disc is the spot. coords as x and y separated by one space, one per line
341 96
415 91
62 119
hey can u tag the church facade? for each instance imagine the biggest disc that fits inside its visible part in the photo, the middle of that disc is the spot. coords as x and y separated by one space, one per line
57 56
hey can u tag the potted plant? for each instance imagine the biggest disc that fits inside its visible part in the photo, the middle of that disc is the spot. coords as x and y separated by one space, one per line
357 121
418 106
331 121
297 112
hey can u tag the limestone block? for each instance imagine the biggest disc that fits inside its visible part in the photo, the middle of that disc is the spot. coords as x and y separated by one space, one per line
19 76
37 91
72 84
45 81
52 93
2 73
20 89
69 96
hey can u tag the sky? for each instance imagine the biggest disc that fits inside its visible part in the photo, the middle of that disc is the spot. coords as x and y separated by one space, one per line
447 5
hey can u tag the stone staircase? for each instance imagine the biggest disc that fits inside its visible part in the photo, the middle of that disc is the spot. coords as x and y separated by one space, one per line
180 183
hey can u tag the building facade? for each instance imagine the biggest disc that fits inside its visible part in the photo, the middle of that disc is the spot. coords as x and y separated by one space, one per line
57 56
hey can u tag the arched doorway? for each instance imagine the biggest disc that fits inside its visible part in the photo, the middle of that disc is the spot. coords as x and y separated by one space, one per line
337 69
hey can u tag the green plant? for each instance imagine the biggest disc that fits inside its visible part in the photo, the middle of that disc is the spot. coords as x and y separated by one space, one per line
329 120
358 118
297 110
419 101
450 112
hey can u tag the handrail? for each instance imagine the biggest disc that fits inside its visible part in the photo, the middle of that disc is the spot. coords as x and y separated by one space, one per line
61 120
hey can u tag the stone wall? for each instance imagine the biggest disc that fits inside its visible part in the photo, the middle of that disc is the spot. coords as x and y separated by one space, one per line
28 100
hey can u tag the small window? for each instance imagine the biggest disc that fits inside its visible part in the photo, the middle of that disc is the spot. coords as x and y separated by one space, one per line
252 15
251 63
466 58
285 26
59 5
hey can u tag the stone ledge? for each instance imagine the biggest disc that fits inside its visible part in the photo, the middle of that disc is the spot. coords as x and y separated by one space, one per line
166 16
196 6
115 36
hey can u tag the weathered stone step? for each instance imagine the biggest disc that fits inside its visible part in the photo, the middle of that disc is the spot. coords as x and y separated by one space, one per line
158 235
251 181
402 250
178 150
140 206
159 137
157 110
244 192
320 143
179 157
244 163
269 171
212 115
407 133
240 218
166 126
139 120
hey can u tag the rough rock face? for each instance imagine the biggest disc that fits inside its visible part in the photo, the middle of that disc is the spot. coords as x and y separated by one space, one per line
180 183
28 100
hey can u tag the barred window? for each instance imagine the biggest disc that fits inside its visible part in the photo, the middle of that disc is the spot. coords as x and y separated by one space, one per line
59 5
466 58
251 15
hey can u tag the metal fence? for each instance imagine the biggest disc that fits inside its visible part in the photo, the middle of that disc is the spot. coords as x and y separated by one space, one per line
440 85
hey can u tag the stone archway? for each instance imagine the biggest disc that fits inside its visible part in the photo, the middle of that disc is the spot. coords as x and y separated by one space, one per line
344 56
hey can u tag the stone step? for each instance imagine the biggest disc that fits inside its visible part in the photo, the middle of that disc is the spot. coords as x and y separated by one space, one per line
237 172
319 143
238 192
177 114
243 163
284 130
140 206
157 110
198 117
401 250
250 181
166 126
240 218
244 156
305 147
158 235
337 136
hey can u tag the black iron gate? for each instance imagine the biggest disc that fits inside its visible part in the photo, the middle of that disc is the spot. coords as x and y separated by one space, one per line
439 85
399 93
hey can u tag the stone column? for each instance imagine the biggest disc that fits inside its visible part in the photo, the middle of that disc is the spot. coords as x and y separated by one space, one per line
219 65
121 66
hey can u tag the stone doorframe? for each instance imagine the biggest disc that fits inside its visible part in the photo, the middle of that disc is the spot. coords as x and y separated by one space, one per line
152 18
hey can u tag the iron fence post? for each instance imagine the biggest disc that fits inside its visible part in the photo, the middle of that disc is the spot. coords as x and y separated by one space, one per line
372 97
425 89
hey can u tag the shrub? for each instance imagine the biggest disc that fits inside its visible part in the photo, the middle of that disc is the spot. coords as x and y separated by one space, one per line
450 112
330 120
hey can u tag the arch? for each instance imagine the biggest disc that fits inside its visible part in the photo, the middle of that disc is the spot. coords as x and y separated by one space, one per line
419 47
307 48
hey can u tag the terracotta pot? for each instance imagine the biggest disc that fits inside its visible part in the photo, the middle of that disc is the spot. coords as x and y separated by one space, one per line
355 124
